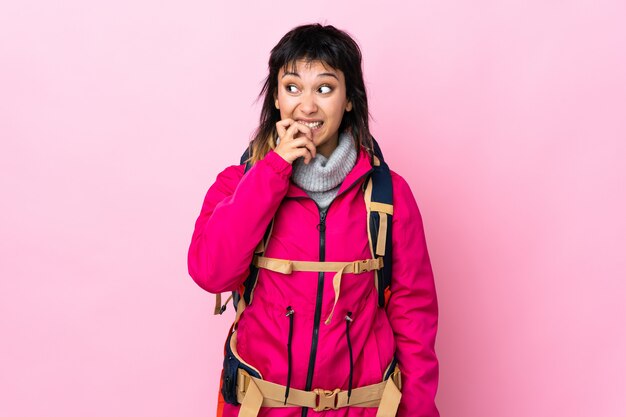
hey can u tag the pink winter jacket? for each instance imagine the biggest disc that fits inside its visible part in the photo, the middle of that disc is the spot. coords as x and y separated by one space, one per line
234 217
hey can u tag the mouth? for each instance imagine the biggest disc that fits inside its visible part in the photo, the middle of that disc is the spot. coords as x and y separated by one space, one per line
313 125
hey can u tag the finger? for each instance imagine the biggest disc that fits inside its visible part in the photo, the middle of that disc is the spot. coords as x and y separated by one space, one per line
296 128
281 127
283 124
312 149
304 153
304 142
304 129
281 130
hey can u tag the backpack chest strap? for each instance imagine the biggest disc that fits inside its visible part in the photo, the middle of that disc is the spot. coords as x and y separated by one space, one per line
284 266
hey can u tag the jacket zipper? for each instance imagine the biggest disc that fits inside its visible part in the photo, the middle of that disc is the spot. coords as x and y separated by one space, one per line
320 293
318 306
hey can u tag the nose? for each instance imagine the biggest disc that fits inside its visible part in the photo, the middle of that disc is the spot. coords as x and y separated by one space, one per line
308 104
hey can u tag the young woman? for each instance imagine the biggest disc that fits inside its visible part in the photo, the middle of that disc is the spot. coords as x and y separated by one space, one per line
313 334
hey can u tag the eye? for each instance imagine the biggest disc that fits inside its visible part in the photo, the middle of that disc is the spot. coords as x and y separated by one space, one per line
325 89
291 88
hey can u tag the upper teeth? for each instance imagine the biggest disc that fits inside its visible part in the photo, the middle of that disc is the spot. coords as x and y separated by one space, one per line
312 125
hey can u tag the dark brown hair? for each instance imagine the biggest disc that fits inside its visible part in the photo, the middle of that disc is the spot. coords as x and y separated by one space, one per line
331 46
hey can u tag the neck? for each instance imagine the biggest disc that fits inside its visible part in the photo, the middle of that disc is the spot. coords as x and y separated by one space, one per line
329 146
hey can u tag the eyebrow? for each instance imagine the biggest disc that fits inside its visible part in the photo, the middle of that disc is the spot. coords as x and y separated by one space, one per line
323 74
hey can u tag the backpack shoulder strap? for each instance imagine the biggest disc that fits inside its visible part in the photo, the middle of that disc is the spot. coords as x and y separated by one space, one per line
379 204
245 159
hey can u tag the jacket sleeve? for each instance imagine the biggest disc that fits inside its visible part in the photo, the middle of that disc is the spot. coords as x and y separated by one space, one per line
234 217
412 308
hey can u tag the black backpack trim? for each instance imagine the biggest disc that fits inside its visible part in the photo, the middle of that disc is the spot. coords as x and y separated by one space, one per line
382 192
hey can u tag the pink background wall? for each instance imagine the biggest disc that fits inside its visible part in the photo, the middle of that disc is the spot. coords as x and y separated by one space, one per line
507 118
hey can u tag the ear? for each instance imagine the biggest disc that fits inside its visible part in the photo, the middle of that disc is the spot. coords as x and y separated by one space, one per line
349 106
276 101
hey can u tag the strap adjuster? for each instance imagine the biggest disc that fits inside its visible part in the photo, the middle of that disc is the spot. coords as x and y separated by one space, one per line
361 266
325 399
367 265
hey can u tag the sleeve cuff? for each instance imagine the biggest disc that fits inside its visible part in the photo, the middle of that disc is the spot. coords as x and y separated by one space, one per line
278 164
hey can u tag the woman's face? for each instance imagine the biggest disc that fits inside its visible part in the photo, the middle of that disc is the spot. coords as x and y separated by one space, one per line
314 95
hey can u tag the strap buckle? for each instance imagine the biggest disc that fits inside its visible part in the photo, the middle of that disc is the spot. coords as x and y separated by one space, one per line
325 399
361 266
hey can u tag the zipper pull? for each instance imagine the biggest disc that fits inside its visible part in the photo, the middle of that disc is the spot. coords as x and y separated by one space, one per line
321 227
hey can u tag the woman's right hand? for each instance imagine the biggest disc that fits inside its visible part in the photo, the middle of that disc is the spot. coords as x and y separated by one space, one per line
295 141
